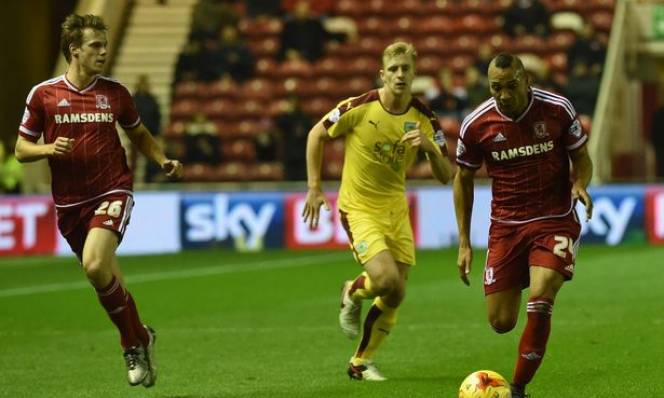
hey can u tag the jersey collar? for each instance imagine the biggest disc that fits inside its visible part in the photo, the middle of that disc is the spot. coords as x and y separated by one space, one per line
525 112
83 90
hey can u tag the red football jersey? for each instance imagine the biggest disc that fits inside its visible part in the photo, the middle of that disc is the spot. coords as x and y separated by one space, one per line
527 158
97 165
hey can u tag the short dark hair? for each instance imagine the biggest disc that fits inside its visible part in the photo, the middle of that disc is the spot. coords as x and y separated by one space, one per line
72 31
506 60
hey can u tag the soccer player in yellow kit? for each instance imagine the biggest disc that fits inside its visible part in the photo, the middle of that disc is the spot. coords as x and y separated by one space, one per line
383 131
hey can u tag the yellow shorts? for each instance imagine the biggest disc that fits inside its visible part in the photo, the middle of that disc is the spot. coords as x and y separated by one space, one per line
370 234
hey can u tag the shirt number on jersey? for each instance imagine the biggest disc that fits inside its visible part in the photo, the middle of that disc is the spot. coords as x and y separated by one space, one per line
113 209
563 243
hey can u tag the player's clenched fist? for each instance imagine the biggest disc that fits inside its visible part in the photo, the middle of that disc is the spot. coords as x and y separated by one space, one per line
172 168
62 146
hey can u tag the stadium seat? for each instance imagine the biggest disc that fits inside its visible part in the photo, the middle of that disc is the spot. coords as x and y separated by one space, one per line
318 107
351 8
430 65
264 47
260 27
437 25
240 149
266 171
199 172
460 63
220 109
223 88
557 62
184 108
232 171
259 89
332 169
300 69
266 66
334 151
174 129
602 20
187 89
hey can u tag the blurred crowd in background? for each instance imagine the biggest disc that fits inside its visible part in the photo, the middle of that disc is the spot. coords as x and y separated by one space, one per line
255 75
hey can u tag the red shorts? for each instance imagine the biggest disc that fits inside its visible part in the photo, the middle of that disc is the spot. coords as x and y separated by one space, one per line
110 212
513 248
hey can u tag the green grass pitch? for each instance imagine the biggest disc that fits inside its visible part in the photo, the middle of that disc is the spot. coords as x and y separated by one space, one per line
265 325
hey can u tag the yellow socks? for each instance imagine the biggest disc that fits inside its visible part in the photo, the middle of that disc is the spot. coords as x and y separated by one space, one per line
377 325
361 288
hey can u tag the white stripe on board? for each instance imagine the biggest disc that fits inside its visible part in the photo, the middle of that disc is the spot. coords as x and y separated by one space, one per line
184 273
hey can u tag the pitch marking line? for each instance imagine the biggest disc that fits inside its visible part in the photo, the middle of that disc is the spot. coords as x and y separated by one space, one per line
183 274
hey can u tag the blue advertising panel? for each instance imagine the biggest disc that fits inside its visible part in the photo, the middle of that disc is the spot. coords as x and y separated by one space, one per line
618 215
243 221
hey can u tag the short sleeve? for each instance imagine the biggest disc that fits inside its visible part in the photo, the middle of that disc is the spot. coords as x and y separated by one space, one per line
342 119
467 152
32 122
434 132
128 116
575 137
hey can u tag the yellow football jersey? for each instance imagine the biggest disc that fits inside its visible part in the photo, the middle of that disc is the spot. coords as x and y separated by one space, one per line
375 162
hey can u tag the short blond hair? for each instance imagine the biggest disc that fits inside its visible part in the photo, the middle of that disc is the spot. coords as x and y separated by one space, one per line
399 48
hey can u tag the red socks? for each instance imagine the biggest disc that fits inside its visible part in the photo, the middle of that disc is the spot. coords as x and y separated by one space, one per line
533 340
121 308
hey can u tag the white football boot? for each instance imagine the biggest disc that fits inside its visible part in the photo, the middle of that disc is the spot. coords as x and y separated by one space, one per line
366 371
350 312
137 368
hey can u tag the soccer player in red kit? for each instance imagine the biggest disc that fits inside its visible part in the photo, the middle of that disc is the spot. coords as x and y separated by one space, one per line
91 183
526 137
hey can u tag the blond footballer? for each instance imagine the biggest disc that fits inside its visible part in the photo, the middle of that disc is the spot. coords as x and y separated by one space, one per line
383 131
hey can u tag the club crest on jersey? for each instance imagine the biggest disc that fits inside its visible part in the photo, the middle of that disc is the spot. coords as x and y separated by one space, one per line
407 126
102 102
540 130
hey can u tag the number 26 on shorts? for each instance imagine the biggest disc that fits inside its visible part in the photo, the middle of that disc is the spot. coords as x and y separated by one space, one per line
113 209
563 246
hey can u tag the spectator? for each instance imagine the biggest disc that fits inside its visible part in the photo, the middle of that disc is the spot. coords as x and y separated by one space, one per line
263 8
211 15
582 89
318 8
526 16
189 61
657 138
201 140
11 171
148 108
303 35
293 126
147 105
588 49
484 57
477 89
445 99
266 144
233 57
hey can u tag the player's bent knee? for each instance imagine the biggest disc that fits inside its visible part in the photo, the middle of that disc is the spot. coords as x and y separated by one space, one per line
96 270
386 284
502 326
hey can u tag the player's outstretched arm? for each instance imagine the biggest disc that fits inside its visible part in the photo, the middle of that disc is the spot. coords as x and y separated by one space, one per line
464 186
582 167
28 151
315 197
140 136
